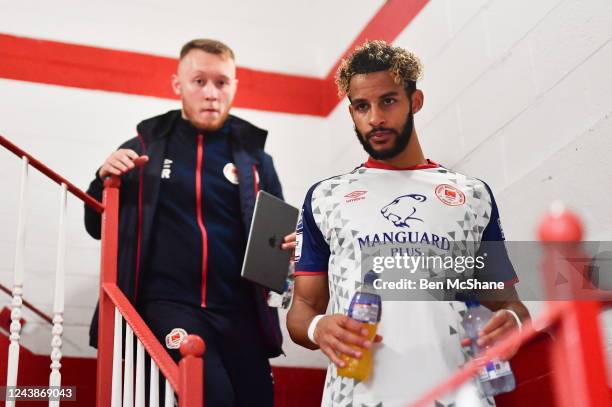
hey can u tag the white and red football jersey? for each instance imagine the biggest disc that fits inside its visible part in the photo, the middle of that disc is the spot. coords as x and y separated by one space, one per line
377 205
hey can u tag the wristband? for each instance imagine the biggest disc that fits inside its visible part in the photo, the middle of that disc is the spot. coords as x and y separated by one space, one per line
515 315
312 327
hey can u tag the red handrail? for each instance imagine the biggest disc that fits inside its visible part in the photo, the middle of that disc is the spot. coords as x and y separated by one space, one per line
163 360
190 368
87 199
577 354
550 317
29 305
108 275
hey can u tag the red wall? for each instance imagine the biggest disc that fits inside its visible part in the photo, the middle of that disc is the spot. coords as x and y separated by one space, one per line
294 387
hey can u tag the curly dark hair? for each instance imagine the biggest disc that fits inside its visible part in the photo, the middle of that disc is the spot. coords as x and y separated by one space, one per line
375 56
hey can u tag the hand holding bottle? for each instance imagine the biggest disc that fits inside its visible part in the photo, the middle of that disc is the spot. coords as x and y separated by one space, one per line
495 376
500 325
340 335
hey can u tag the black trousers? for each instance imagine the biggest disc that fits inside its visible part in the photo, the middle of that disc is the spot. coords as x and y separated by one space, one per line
236 370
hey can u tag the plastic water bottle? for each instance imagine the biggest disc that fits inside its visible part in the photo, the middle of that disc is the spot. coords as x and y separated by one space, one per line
366 307
496 376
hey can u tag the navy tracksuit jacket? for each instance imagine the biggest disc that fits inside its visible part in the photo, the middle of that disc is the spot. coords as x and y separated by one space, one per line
218 244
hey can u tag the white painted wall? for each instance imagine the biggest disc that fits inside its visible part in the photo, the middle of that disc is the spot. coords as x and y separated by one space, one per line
298 37
516 93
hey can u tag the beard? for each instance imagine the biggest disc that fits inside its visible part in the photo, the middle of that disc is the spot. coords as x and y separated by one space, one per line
400 143
208 126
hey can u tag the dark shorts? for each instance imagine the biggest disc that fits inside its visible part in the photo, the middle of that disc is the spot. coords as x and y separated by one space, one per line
237 371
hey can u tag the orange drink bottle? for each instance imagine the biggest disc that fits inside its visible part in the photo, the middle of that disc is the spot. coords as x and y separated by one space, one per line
366 307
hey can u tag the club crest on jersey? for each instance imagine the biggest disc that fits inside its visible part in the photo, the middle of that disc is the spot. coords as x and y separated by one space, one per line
355 196
401 210
231 173
175 338
450 195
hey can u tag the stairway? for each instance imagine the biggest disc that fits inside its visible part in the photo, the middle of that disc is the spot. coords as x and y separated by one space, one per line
295 387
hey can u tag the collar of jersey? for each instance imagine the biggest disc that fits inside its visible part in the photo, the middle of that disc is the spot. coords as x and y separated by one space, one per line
184 125
371 163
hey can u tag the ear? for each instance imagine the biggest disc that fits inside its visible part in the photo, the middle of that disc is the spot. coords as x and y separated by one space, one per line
176 85
417 100
232 89
235 87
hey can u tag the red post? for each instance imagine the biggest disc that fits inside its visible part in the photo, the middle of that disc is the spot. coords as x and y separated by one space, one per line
191 367
577 355
108 274
578 359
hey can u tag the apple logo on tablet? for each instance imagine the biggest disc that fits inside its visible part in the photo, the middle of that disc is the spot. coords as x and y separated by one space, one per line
272 241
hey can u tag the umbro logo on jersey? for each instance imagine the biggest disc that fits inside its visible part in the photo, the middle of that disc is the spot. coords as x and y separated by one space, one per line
166 170
355 196
450 195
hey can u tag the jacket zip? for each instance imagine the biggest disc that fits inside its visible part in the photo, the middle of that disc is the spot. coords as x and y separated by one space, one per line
199 215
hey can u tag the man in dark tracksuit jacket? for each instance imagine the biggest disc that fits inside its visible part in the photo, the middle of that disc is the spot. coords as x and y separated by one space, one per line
183 223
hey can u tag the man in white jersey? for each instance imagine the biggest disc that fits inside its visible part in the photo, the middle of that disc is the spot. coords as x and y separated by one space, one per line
397 196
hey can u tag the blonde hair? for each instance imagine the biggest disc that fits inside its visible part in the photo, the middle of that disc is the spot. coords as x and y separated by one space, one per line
374 56
207 45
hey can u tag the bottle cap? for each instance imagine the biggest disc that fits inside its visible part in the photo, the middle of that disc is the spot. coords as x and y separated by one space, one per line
369 278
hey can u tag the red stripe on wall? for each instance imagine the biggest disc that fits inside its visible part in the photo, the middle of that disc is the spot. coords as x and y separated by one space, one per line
86 67
275 92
